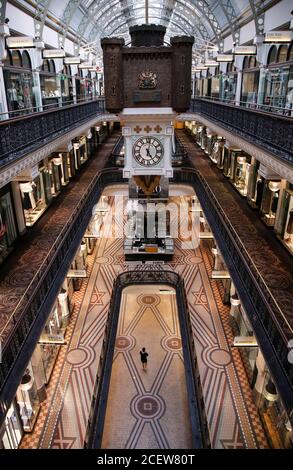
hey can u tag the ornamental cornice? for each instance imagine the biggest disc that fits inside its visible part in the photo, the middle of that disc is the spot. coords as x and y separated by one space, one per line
285 170
9 172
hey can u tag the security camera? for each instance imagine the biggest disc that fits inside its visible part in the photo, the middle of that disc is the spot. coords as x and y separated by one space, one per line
6 21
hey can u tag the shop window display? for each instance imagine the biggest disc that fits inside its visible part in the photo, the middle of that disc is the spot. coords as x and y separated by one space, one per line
250 80
253 182
275 420
234 154
8 232
270 200
285 223
55 171
228 84
217 151
11 433
241 175
28 400
48 80
33 199
19 83
66 85
227 161
210 142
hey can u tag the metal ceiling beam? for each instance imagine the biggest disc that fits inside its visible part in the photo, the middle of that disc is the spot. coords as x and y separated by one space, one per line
42 8
66 19
3 11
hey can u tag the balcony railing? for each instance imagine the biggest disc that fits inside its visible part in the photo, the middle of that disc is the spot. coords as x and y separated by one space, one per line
272 132
199 427
269 323
24 134
24 328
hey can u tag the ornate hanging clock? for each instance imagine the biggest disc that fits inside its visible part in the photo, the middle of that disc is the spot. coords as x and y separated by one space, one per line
147 80
148 151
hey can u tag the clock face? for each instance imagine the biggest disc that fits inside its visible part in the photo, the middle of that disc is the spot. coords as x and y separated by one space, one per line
148 151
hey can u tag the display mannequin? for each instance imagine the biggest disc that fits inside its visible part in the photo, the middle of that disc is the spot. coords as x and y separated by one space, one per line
259 191
275 202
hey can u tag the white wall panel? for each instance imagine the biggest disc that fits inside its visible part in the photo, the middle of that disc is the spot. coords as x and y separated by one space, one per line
278 14
20 21
247 32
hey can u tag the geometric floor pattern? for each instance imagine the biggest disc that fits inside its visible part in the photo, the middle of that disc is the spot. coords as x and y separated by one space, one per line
232 416
154 410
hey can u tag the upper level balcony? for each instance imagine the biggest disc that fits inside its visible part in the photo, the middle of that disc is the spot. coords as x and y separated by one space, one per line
26 133
271 131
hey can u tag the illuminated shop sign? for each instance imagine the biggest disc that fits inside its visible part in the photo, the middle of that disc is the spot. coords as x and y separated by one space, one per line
225 58
245 50
53 53
279 36
21 42
72 60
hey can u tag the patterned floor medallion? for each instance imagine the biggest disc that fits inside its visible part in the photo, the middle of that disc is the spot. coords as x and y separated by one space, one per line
152 410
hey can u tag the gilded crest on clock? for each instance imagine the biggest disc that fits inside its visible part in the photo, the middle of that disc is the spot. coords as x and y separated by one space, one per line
147 80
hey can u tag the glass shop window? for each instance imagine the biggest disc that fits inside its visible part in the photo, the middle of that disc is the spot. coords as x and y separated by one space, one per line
28 399
8 232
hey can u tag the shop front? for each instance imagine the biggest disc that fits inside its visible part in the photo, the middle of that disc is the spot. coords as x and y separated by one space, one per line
268 188
241 173
20 90
250 81
284 225
35 190
217 150
66 85
228 84
80 151
11 432
49 86
278 88
8 226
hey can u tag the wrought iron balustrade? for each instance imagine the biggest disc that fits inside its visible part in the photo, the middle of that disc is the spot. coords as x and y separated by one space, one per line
22 332
21 135
269 323
272 132
199 426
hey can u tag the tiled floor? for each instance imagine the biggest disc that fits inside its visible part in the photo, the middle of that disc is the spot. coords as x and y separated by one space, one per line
232 416
154 410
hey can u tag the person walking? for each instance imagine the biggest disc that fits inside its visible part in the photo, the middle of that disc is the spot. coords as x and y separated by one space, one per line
143 358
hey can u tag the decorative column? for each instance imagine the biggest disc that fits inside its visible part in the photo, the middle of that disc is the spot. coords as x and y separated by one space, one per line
63 302
39 373
238 88
37 61
18 207
4 32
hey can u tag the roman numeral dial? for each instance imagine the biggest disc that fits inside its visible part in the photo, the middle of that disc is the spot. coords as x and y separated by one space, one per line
148 151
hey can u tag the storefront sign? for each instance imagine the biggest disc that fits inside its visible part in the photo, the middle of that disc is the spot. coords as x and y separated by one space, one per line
53 53
244 341
21 42
72 60
58 338
77 273
85 65
245 50
279 36
225 58
211 63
